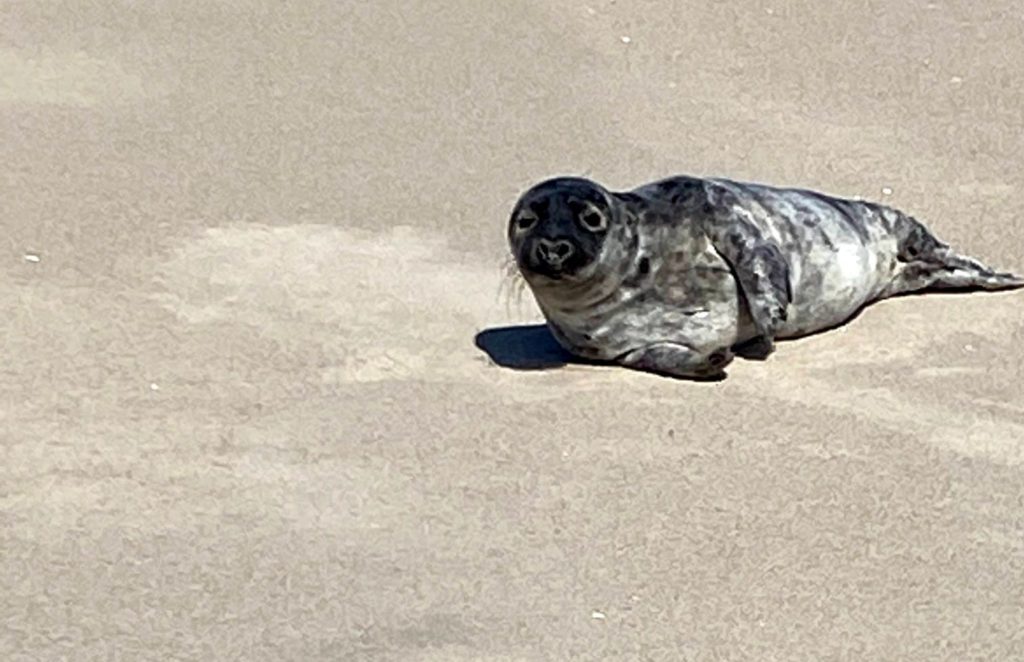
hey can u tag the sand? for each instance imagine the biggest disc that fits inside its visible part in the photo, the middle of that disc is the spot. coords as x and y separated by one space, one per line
247 249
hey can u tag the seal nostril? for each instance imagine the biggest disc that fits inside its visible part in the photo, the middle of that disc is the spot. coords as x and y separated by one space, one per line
554 252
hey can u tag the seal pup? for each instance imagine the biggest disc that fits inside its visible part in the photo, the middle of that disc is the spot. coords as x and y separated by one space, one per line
678 276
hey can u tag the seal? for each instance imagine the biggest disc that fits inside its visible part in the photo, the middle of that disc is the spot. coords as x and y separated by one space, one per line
679 276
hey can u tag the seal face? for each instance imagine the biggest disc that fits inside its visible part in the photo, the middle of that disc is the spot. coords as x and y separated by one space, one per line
558 229
676 276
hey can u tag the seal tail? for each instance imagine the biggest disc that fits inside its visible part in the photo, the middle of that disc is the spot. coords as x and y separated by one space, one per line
926 263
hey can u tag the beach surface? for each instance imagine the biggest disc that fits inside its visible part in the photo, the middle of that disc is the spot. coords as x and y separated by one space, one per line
266 392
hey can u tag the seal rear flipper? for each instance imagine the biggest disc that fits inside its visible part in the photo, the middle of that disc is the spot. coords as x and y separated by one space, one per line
953 273
930 263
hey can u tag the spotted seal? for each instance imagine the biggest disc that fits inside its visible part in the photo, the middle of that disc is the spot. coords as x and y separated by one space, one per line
678 276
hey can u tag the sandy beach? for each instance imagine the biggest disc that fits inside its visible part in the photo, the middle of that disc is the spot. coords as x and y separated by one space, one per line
264 392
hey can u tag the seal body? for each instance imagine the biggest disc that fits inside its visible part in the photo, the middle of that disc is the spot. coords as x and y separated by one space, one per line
677 275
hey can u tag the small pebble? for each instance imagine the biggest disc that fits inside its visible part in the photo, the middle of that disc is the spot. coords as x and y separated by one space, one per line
31 257
969 348
154 386
597 615
886 190
956 80
625 39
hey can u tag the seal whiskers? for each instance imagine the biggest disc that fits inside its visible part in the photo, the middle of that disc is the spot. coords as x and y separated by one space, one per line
512 284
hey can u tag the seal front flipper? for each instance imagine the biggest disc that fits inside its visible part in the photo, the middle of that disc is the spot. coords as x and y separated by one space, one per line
674 360
755 349
761 269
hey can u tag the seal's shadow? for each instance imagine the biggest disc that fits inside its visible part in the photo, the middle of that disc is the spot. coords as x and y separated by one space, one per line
526 347
532 347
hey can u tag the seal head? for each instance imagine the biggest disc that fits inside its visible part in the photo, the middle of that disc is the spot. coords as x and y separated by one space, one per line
560 229
575 243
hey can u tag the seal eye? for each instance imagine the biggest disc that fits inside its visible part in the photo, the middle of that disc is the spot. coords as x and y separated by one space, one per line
525 221
593 220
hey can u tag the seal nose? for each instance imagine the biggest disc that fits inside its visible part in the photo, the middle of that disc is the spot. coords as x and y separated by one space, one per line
554 252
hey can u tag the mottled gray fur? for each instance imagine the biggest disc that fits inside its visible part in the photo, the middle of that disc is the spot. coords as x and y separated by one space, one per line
676 276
